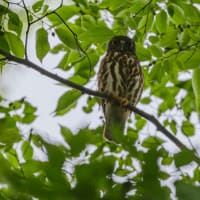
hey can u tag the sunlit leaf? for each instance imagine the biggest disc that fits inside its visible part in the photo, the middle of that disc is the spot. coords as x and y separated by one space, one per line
9 132
27 150
15 44
169 39
65 11
188 128
37 6
4 44
97 33
29 113
42 43
14 23
161 21
152 141
67 101
176 13
66 36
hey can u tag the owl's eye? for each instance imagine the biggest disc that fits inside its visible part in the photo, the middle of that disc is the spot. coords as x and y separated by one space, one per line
115 42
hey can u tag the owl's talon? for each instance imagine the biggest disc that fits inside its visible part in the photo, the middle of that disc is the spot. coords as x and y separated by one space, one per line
124 101
121 100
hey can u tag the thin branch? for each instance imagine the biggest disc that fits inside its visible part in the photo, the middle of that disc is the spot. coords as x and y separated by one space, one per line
147 116
75 38
27 29
143 8
47 14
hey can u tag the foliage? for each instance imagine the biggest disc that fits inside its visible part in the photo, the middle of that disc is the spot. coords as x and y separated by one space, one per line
166 34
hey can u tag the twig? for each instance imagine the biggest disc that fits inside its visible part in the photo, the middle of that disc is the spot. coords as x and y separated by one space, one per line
47 14
147 4
75 38
27 29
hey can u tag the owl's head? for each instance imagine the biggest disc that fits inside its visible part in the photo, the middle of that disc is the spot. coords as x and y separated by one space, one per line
121 44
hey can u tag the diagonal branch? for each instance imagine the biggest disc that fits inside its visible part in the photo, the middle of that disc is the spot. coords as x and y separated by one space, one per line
64 81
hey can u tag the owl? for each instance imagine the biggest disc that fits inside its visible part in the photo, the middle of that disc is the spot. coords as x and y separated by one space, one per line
120 76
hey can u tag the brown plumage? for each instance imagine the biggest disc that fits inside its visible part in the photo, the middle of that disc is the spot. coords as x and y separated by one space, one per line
120 76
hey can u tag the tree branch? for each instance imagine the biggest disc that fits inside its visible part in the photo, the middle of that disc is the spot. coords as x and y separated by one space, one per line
55 77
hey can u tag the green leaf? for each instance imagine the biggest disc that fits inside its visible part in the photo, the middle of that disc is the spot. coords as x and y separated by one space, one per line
15 44
161 21
155 51
176 13
4 44
97 33
63 64
184 38
67 101
186 191
190 58
56 49
91 101
33 166
66 12
143 53
87 20
12 158
9 132
153 39
66 133
173 126
69 59
196 88
29 113
66 36
169 39
140 123
14 23
146 22
188 128
157 73
184 157
163 175
167 160
42 43
27 150
78 79
152 141
145 100
37 6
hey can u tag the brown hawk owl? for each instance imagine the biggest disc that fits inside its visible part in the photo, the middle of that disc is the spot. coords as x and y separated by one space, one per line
120 76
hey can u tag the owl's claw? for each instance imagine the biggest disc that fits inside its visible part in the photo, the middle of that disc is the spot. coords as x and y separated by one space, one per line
121 100
124 101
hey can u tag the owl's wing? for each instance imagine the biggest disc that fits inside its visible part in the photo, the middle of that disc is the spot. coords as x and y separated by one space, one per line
135 80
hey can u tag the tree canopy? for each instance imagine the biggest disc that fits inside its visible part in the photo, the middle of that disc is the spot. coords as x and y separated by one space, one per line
158 158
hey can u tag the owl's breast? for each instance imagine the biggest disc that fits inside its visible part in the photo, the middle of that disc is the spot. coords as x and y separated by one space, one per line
119 75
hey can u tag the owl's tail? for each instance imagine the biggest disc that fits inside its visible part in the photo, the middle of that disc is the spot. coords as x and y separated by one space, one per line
115 117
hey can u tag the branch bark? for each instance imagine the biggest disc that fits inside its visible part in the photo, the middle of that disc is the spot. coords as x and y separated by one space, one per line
85 90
